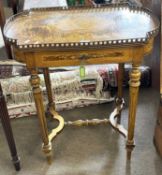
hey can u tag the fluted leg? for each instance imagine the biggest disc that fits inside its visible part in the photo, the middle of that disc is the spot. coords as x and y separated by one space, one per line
134 89
120 88
8 131
35 82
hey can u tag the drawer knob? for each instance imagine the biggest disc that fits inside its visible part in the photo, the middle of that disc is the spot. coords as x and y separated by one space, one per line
83 56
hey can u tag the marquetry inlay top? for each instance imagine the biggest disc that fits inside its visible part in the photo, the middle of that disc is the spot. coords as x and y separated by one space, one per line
105 25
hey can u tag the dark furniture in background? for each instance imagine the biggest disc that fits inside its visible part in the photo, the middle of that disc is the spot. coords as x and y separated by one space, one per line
8 131
2 22
158 128
3 108
154 59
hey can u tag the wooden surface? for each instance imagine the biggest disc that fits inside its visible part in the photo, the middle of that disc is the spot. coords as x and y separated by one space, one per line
59 26
86 34
158 128
8 130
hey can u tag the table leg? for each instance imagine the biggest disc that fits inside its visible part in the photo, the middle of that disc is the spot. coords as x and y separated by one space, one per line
115 116
55 115
35 82
133 92
8 131
120 88
48 86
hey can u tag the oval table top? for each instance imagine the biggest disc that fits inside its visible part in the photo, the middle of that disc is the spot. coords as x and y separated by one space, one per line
76 27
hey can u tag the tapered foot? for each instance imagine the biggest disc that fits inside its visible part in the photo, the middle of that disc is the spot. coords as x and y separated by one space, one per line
129 146
49 159
16 162
47 149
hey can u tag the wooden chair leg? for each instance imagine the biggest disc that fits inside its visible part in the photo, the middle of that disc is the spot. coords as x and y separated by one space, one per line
8 131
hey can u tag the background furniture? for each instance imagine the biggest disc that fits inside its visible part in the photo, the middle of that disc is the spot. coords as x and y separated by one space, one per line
2 22
8 131
158 128
153 60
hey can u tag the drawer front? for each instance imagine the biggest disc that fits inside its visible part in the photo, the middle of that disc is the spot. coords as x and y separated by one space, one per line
82 57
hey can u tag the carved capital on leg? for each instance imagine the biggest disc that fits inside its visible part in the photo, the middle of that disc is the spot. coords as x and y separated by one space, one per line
35 82
135 77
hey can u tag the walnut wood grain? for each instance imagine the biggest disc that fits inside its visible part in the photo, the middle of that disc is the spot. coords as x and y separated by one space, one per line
79 27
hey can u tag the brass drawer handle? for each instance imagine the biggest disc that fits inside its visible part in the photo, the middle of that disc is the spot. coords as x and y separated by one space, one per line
83 57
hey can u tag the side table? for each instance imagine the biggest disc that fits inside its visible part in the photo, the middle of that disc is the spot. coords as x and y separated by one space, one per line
8 130
53 37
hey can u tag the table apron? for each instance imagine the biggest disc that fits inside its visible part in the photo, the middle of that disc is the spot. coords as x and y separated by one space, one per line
81 57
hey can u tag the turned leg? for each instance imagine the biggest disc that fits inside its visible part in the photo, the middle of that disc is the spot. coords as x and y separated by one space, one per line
120 88
35 82
133 92
55 115
8 131
48 86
